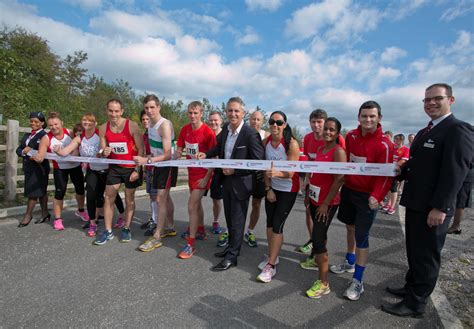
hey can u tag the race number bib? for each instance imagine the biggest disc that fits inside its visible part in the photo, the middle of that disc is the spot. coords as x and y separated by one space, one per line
313 192
119 148
192 149
357 159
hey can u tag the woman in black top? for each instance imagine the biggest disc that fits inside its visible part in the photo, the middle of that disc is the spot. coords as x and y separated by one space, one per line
36 170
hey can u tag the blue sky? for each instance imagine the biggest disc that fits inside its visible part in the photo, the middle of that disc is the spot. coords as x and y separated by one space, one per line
294 56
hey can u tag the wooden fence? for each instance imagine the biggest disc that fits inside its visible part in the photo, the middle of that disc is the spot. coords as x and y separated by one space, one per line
11 176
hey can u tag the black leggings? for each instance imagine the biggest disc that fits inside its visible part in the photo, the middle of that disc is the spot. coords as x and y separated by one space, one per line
95 187
320 228
278 211
61 177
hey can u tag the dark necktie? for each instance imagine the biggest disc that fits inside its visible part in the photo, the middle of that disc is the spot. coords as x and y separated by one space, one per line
428 128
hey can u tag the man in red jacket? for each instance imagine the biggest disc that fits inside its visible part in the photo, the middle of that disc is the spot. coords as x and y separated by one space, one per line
361 195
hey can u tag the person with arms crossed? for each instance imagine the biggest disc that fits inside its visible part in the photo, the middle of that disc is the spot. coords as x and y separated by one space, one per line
361 195
161 138
120 139
236 141
439 161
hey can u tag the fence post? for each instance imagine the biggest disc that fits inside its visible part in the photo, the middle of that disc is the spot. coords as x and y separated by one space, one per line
11 159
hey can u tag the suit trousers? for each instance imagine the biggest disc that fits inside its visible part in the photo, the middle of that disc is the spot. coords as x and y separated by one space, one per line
235 212
424 245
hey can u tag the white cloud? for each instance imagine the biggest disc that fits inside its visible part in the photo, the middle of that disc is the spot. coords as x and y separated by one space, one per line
307 21
457 9
270 5
249 38
400 9
119 23
86 4
198 24
391 54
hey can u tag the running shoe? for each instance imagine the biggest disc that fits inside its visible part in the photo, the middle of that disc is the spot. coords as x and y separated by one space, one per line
92 230
201 235
390 211
223 240
125 235
187 252
318 289
58 224
264 262
120 222
147 224
82 215
150 230
309 264
185 234
341 268
355 289
385 207
150 244
86 225
168 232
250 239
306 248
216 228
267 274
103 238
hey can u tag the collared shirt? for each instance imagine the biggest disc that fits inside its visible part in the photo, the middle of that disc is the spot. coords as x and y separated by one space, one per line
437 121
231 139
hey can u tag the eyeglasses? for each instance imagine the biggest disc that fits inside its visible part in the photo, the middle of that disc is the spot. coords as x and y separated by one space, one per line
279 123
436 99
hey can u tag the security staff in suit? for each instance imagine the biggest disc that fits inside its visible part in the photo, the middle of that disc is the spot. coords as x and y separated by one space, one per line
439 160
236 141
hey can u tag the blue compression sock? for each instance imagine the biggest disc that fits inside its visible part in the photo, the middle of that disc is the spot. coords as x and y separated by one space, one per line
351 258
359 272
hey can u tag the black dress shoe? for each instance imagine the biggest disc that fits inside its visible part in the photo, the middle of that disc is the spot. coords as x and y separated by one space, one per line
454 231
400 292
400 309
23 224
46 218
221 253
224 265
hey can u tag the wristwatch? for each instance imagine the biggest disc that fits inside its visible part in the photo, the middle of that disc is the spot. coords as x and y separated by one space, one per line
148 161
268 188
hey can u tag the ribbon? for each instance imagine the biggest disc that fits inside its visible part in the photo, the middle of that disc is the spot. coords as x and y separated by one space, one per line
344 168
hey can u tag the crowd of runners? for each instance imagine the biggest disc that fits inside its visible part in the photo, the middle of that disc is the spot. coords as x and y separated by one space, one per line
354 198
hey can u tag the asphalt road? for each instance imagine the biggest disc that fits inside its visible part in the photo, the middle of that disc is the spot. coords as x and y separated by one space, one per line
59 279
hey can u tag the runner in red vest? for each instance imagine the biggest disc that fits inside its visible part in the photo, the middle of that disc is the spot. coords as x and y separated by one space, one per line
120 139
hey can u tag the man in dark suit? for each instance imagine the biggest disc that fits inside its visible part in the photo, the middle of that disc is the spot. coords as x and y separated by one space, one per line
236 141
439 160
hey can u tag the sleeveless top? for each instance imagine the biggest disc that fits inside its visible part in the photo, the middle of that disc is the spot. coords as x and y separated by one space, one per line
122 144
319 184
65 141
156 143
89 147
279 153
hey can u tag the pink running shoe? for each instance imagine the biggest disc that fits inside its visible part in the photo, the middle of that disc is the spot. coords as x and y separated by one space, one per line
58 224
386 207
120 222
390 211
92 230
82 215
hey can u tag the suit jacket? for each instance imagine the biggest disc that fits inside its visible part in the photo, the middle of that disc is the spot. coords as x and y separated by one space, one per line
438 163
247 146
33 143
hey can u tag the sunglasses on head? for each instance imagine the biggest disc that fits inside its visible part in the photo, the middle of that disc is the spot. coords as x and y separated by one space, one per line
279 123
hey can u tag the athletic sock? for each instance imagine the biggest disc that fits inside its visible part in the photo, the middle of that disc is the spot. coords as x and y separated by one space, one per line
249 231
190 241
351 258
200 228
154 211
359 272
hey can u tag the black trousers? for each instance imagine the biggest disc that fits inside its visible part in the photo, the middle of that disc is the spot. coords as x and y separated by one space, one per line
235 212
424 245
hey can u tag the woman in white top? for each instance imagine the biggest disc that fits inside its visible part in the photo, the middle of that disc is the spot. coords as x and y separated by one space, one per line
281 189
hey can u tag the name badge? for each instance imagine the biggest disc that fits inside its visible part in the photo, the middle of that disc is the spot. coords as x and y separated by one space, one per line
429 145
192 149
313 192
119 148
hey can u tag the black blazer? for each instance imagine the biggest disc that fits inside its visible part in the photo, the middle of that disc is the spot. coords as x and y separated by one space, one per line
439 161
29 165
247 146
